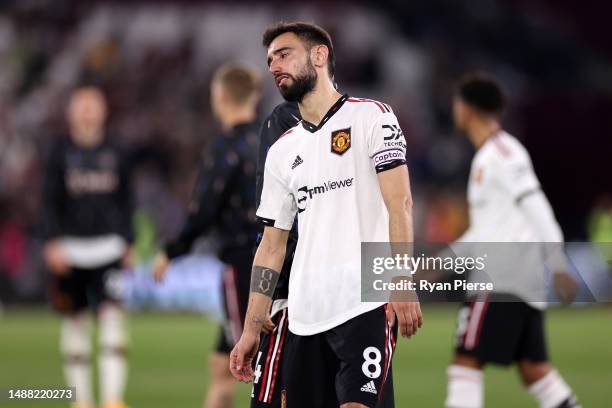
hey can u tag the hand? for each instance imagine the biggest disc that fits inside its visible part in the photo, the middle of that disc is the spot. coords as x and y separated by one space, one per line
160 266
409 316
268 325
129 258
241 357
429 275
55 258
565 287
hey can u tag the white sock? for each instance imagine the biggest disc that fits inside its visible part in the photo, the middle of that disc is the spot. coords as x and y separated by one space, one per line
465 387
550 390
76 349
78 375
113 376
112 359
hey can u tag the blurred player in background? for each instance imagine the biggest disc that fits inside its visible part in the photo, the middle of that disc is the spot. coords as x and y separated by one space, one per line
506 205
87 216
224 201
348 186
268 366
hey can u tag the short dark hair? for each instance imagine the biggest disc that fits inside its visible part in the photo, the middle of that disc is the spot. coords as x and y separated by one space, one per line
310 33
483 92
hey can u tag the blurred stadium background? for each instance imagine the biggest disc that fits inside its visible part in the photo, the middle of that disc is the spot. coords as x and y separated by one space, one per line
154 61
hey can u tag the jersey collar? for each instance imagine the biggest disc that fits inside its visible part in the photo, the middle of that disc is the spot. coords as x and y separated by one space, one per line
335 107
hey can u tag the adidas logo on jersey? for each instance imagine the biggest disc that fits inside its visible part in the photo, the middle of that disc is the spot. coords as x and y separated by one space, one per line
297 162
369 387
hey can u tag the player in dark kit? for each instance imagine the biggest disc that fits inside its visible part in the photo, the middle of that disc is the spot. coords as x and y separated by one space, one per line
87 217
268 366
337 172
224 201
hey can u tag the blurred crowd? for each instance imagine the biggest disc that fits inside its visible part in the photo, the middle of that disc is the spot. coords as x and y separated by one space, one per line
154 62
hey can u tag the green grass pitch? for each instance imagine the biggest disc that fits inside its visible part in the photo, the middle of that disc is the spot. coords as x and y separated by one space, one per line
168 358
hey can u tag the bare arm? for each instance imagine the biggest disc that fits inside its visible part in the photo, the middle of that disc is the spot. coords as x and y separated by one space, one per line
267 266
395 189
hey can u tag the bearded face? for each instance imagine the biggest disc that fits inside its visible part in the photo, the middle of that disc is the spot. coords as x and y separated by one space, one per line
295 87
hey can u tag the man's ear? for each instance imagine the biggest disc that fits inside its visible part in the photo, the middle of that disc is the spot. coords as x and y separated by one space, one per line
468 113
319 55
224 97
255 98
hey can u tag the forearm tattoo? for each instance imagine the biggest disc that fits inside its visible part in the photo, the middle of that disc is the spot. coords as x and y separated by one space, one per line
263 280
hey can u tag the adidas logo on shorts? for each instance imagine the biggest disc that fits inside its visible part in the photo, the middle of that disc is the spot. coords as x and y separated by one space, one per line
297 162
369 387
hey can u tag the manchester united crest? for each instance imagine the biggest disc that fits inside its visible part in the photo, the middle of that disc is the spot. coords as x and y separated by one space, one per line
341 141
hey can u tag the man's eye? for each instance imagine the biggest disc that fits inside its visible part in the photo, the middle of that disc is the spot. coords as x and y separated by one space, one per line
284 54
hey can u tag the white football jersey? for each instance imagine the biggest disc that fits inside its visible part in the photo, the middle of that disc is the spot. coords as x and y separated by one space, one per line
326 175
500 177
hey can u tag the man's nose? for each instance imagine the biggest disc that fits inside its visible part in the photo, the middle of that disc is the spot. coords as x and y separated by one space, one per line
274 67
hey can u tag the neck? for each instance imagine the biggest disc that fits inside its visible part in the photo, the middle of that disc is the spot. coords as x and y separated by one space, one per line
316 104
235 117
87 137
479 131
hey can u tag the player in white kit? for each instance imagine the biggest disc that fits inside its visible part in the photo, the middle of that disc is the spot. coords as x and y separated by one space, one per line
342 171
507 205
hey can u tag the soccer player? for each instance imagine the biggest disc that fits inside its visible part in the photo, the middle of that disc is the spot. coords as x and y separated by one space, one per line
347 186
506 204
267 381
87 217
224 200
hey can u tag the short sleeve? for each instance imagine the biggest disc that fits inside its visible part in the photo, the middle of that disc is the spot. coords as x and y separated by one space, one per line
516 175
386 143
284 117
277 207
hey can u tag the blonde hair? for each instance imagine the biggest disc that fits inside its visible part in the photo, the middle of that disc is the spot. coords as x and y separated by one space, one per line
240 82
